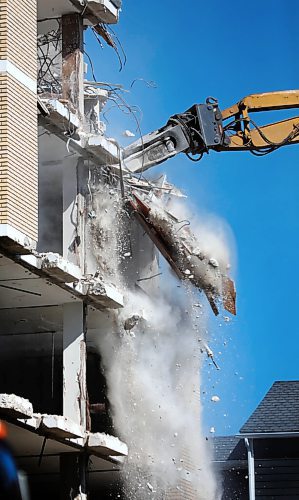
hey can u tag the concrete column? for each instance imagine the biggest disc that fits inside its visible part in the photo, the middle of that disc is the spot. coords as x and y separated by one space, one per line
74 362
73 476
251 471
74 182
72 62
71 237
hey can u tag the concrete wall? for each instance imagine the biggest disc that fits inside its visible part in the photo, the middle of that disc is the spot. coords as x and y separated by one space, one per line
50 208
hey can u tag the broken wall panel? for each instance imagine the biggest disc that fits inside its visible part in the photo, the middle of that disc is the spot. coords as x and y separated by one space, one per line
72 62
141 266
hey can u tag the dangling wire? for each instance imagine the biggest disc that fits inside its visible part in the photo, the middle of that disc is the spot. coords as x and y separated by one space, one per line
48 52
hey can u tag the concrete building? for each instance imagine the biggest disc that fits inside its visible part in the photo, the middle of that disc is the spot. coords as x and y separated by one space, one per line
72 250
53 294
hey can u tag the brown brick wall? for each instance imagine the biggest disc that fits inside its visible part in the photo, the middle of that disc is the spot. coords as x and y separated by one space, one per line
18 156
18 33
185 490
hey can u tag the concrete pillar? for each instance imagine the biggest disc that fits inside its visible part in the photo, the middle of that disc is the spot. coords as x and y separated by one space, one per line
71 238
251 471
74 182
73 476
74 362
72 62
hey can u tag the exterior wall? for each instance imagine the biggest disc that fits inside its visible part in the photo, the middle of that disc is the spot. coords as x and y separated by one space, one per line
183 492
18 32
276 468
18 116
277 479
234 484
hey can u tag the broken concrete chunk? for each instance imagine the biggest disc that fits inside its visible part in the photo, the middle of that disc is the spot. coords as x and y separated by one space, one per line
56 266
214 263
61 427
105 295
128 133
33 422
150 487
102 295
15 406
106 445
131 322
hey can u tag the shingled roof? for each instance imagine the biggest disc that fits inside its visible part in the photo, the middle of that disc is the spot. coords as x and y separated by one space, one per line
277 412
228 448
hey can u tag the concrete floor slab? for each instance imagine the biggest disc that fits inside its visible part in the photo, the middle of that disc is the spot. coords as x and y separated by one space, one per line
15 406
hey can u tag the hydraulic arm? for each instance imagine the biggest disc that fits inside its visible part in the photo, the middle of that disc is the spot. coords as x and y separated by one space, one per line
205 127
202 128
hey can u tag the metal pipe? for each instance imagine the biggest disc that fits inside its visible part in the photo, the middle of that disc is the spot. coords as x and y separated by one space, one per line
251 472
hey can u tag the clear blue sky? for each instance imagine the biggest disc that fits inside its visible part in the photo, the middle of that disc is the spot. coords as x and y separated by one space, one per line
228 50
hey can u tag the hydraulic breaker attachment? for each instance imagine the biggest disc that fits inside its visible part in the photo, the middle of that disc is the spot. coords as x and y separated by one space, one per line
193 132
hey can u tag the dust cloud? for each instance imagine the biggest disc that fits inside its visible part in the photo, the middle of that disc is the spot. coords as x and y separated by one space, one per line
152 365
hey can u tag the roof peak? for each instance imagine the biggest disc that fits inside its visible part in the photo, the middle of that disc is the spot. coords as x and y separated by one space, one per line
277 412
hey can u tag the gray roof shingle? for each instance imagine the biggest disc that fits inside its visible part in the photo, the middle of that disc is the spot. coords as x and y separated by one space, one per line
228 448
277 412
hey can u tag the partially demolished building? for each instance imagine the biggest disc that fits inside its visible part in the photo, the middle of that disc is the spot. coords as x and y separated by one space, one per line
67 245
47 300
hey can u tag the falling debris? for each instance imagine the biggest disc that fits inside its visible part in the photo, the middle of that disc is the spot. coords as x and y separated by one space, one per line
150 487
131 322
182 250
210 355
128 133
215 399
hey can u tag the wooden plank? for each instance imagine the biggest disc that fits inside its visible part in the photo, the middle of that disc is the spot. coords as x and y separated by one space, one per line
276 484
277 477
290 497
285 493
288 469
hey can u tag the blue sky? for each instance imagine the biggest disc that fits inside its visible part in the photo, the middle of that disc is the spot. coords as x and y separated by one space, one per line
228 50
